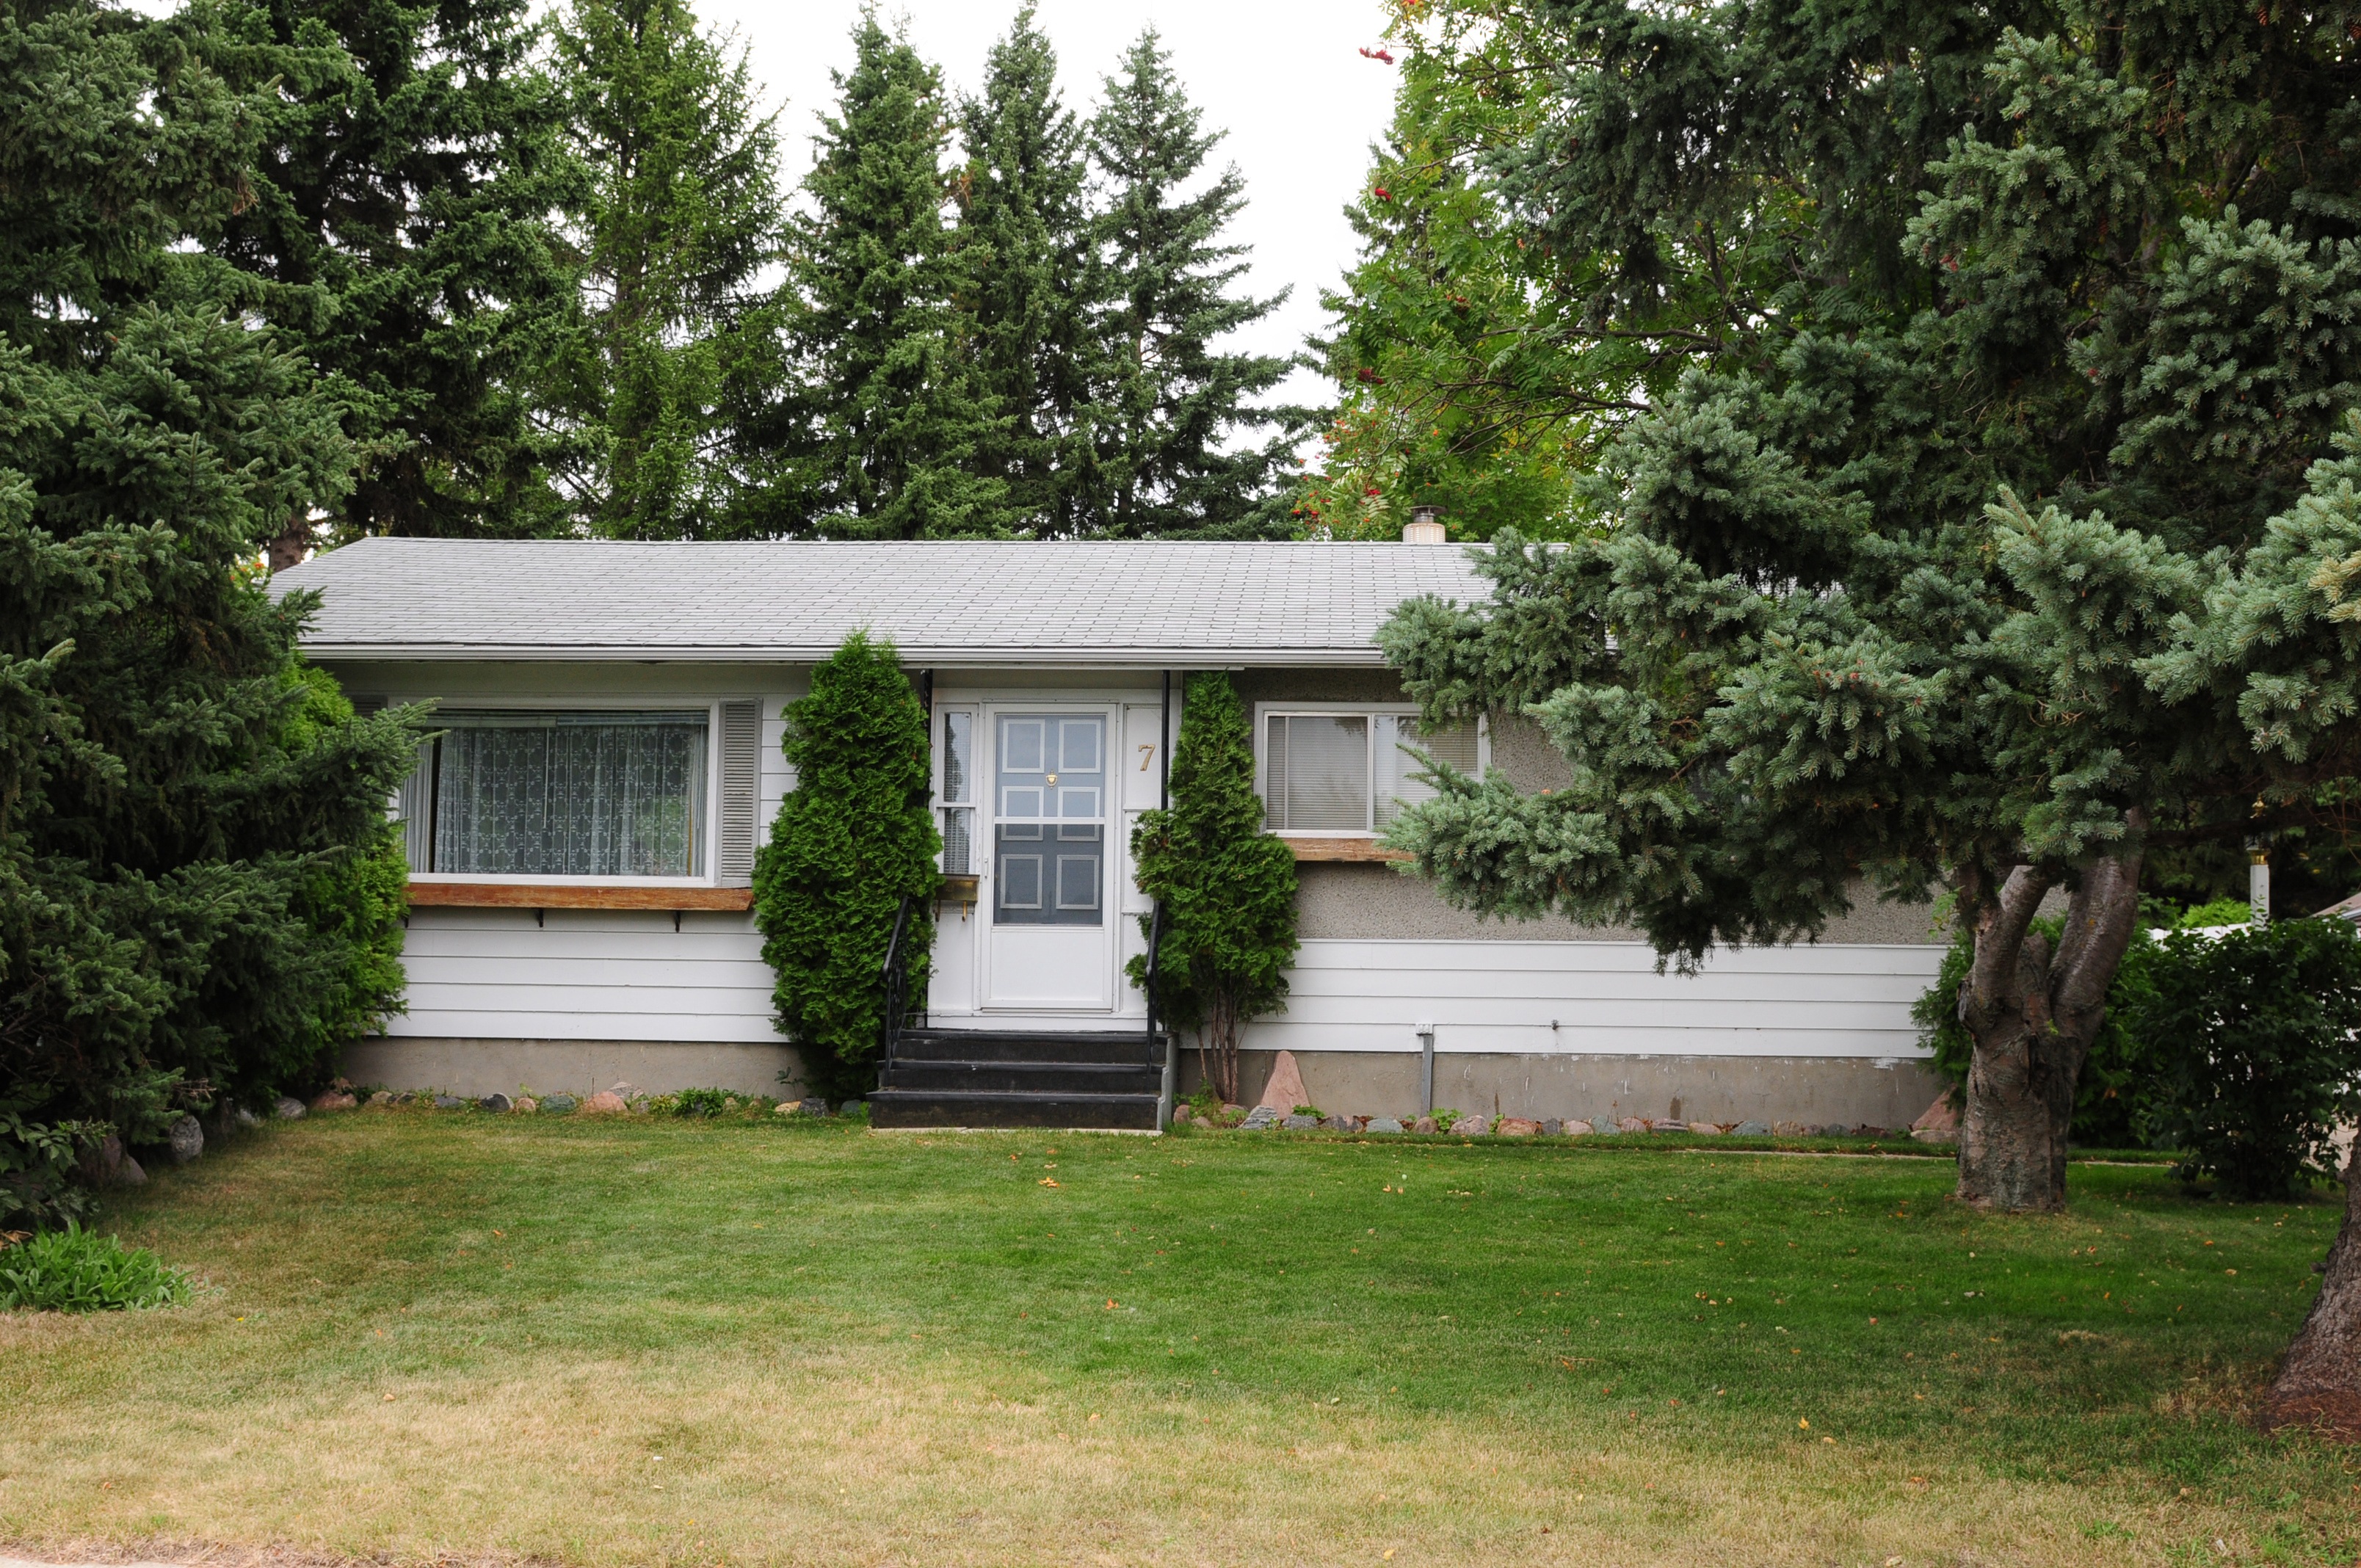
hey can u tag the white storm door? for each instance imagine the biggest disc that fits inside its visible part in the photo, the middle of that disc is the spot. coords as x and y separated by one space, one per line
1051 943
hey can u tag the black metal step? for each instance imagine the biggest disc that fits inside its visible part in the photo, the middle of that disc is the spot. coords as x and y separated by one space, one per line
947 1108
1018 1077
1127 1047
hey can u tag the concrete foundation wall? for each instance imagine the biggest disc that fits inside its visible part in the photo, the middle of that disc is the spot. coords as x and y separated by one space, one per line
1816 1090
577 1067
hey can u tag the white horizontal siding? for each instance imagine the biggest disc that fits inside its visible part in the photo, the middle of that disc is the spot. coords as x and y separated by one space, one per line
607 974
1605 998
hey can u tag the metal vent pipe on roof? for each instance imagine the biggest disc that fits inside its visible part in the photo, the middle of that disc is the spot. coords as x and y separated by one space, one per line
1424 527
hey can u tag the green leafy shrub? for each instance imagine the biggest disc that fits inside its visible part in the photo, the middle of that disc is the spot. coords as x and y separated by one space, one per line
1227 887
2251 1054
2106 1098
700 1102
1444 1116
854 836
2220 912
75 1270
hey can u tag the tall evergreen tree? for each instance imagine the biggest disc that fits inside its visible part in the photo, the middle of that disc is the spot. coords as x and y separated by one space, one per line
399 206
1165 399
680 366
897 410
178 803
1024 245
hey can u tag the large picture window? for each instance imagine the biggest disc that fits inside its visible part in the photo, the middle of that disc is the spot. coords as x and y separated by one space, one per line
587 793
1351 772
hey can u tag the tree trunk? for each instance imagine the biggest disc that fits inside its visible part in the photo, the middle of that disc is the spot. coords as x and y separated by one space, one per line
2032 1013
287 548
2319 1385
1217 1047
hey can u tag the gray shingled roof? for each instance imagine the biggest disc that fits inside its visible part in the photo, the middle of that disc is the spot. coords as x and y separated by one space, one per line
943 604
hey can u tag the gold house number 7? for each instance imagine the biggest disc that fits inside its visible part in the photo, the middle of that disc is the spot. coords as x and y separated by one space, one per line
1146 750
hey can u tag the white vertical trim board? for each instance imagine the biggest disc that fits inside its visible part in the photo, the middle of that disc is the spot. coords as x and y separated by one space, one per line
1605 998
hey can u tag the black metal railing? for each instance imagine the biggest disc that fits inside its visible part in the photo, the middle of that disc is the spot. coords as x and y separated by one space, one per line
1148 981
893 975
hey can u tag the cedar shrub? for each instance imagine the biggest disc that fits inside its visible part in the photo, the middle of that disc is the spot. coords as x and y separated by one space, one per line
854 836
1227 887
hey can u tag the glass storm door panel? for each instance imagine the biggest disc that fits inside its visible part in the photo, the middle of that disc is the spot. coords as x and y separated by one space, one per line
1050 872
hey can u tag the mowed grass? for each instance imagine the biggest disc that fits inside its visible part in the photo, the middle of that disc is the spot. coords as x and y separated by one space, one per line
426 1333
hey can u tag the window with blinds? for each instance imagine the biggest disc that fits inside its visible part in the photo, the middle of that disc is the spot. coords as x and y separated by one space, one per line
1344 771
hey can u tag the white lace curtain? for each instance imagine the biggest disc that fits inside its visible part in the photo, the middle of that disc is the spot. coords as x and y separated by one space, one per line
584 793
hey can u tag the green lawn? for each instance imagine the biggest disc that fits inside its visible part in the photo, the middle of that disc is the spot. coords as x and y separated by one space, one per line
429 1332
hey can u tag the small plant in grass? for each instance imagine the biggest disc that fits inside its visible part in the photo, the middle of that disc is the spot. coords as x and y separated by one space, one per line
696 1103
1312 1111
1444 1116
75 1270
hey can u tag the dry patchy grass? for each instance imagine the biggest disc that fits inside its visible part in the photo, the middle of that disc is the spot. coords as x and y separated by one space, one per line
428 1336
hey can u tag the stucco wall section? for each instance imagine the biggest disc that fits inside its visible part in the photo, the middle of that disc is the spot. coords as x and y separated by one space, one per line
477 1067
1813 1090
1366 900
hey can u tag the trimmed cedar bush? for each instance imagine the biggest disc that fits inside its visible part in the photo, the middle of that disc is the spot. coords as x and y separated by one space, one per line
1227 887
852 839
2251 1055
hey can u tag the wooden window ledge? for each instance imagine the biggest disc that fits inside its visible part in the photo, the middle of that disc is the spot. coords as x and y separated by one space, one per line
575 895
1344 850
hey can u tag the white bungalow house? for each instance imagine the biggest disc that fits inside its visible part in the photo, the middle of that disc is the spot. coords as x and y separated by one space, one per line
583 834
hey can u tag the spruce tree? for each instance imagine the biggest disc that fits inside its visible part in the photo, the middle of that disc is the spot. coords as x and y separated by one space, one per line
897 410
1024 252
1227 887
853 839
678 381
183 811
1166 401
399 204
1985 518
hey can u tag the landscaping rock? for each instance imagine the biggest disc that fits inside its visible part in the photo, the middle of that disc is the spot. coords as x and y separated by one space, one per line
606 1102
496 1102
185 1139
1836 1130
1261 1119
1941 1116
289 1109
130 1173
1668 1126
108 1162
1632 1125
1297 1123
1382 1124
1936 1134
1424 1124
1229 1110
1551 1126
1182 1116
383 1097
558 1104
247 1118
1753 1130
1341 1124
1788 1129
451 1103
1577 1129
1516 1127
332 1100
1473 1126
526 1106
1285 1090
1705 1129
813 1106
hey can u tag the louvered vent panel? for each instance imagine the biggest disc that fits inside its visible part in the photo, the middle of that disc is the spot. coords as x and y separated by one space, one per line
741 739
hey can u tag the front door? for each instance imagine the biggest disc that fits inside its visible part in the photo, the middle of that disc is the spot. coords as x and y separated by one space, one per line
1050 937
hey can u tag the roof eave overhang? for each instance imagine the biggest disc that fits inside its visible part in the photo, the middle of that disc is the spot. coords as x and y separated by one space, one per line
1365 657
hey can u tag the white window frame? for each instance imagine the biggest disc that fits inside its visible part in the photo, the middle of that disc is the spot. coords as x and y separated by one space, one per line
1266 711
944 806
707 877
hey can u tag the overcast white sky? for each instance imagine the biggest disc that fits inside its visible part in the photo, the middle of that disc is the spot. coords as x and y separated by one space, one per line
1284 78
